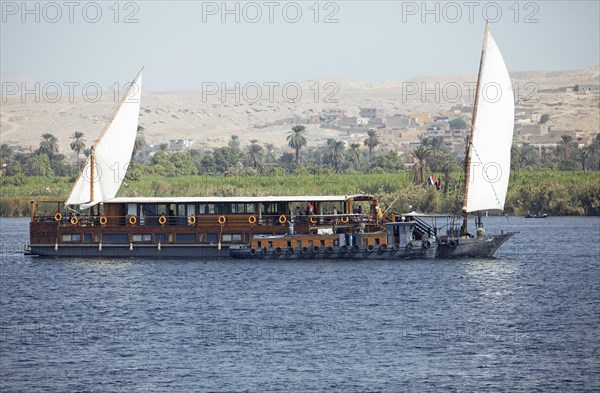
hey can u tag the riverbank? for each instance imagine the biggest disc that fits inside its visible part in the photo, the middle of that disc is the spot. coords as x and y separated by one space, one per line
552 192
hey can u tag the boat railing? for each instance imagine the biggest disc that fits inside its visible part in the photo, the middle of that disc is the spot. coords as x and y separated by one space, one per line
225 220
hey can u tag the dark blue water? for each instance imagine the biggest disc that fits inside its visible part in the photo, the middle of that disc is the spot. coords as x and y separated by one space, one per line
528 321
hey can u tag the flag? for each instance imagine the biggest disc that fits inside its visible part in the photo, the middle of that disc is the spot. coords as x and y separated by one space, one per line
310 206
431 179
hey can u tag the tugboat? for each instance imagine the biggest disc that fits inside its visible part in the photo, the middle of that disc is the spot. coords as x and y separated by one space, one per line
397 241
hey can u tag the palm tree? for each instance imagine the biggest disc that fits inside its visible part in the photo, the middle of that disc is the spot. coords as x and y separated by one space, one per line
270 155
78 144
49 144
234 143
6 153
334 151
354 155
256 155
421 154
372 141
565 143
448 166
297 139
140 141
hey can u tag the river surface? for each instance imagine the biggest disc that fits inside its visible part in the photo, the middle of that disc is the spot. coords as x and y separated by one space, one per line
526 321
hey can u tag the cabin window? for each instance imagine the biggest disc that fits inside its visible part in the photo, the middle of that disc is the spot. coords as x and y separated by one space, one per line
115 238
191 211
377 241
141 237
71 237
131 209
171 237
212 237
322 243
208 208
241 208
186 238
232 237
160 237
87 238
272 208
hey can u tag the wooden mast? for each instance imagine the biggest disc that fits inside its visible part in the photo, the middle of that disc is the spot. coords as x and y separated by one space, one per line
470 136
92 173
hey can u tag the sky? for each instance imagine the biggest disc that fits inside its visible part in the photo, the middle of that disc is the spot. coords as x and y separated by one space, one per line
183 44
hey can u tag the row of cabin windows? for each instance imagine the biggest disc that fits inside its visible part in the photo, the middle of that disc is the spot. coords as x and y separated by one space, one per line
189 209
159 237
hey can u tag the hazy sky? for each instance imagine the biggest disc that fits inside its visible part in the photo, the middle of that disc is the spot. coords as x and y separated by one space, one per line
372 41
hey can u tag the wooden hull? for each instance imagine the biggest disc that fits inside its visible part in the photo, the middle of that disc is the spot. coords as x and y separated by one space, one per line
192 251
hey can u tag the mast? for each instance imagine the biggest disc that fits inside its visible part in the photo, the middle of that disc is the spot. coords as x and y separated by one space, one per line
92 173
470 136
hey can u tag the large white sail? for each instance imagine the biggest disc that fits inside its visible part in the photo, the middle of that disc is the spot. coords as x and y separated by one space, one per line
112 152
492 134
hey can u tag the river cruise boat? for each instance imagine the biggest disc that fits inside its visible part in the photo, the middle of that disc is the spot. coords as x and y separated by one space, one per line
93 222
196 227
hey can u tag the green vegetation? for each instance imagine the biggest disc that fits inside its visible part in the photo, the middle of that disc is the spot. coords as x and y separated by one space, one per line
558 180
552 192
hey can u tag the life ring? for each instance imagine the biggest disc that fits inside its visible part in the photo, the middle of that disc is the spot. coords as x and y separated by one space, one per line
103 220
370 248
383 247
313 220
315 249
396 247
344 220
58 216
253 251
344 248
162 220
282 219
192 219
252 220
329 250
222 220
132 220
355 248
74 220
452 243
409 247
426 244
291 250
304 250
278 251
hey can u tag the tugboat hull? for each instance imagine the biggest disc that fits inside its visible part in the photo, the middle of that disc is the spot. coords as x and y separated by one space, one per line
473 247
345 253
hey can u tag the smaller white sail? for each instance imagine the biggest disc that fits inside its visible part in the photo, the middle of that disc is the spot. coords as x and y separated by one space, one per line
112 152
492 134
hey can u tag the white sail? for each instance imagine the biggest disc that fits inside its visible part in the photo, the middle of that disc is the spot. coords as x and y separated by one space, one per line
492 135
112 152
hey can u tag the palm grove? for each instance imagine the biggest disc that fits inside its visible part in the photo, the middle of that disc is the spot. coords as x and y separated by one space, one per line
332 156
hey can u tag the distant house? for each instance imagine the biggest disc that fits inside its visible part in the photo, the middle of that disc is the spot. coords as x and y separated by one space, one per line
180 144
398 122
372 113
333 115
353 121
587 89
